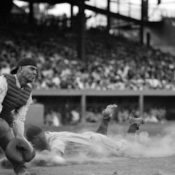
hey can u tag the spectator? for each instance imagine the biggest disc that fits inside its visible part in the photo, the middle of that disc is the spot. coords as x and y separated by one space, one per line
118 65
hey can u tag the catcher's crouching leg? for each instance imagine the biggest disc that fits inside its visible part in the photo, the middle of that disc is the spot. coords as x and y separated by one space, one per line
6 134
18 151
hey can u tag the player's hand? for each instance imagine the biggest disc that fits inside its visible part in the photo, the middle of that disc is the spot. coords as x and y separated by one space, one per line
109 111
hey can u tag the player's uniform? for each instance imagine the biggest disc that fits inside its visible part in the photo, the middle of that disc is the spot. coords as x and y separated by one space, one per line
90 142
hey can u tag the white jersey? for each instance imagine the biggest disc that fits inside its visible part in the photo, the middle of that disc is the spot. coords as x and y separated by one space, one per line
87 141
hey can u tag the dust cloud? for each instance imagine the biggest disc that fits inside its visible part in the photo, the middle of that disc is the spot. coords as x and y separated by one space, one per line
106 148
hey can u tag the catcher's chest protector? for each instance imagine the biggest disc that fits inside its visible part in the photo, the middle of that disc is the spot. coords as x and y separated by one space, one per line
14 99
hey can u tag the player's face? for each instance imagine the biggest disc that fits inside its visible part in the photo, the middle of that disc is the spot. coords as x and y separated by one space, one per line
29 73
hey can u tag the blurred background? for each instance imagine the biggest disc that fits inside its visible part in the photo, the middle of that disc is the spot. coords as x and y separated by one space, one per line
92 53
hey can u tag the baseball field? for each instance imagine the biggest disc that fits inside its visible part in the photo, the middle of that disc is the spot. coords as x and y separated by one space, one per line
153 155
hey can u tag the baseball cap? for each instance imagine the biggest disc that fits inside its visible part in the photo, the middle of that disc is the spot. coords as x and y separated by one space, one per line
24 62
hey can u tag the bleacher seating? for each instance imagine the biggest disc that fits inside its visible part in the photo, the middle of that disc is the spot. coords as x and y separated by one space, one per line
111 62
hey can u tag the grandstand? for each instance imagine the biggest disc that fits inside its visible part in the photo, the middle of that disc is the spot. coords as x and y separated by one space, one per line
104 69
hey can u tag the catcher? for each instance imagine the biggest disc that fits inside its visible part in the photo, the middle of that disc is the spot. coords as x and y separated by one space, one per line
15 99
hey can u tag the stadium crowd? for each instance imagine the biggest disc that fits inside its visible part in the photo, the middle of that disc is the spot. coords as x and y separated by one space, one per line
110 63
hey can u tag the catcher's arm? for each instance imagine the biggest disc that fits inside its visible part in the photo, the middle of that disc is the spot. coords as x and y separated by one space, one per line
19 119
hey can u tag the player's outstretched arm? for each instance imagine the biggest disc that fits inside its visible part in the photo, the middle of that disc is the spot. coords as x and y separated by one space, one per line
107 114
